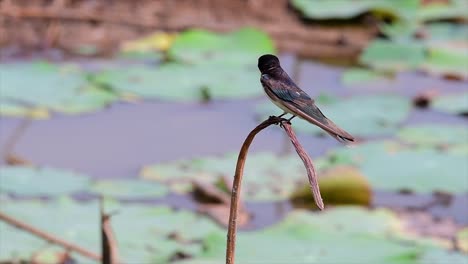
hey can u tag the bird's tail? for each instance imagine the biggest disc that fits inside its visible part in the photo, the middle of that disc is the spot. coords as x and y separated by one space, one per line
345 140
313 114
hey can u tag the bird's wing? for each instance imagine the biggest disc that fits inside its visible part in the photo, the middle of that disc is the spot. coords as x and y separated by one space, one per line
287 90
300 103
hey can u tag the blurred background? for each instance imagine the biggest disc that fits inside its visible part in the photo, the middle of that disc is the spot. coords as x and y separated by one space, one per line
147 103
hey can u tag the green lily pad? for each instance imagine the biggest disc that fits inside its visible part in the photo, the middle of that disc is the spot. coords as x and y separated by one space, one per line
356 76
453 9
434 135
205 66
390 56
441 62
16 110
144 234
20 246
334 238
266 176
177 82
87 100
453 103
419 170
59 88
129 188
241 47
442 256
410 10
332 9
342 9
439 50
443 32
361 116
41 181
461 149
77 223
400 31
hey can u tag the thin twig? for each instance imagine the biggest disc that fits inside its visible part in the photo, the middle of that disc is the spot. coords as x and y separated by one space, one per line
51 238
236 186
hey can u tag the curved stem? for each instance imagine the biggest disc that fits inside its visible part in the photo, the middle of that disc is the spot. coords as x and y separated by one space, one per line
236 186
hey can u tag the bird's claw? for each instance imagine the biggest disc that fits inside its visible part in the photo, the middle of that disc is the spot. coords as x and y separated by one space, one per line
279 120
281 123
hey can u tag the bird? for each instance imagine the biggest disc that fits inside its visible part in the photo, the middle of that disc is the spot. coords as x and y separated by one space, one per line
285 94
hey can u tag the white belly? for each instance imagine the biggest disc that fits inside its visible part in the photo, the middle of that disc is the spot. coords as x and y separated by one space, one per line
275 100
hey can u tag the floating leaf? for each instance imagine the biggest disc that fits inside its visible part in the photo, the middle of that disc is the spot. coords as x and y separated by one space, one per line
40 181
409 10
437 48
21 245
442 10
88 100
78 224
240 47
442 257
432 134
361 116
48 86
334 238
445 34
17 110
390 56
206 65
177 82
356 76
343 9
129 188
444 62
145 234
453 103
266 176
420 170
400 31
158 41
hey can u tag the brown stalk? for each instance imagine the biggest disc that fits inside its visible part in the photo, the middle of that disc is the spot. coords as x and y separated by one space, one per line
236 186
110 254
307 163
51 238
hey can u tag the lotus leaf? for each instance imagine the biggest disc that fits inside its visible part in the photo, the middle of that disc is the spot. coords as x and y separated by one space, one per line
361 116
41 181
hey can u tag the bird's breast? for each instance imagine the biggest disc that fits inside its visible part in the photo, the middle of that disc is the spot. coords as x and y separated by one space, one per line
275 99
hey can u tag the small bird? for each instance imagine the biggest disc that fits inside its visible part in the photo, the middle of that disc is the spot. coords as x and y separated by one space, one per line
285 94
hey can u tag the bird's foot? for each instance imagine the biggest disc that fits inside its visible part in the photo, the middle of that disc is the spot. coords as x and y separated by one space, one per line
278 120
281 123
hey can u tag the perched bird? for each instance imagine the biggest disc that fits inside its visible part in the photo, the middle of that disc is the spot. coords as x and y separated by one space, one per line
285 94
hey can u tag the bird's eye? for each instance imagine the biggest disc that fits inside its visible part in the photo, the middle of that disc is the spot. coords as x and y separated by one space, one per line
265 76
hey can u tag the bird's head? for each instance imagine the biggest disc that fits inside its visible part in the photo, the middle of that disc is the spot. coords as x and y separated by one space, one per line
268 63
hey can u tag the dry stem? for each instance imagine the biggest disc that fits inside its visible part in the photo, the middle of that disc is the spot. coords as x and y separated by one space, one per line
110 254
236 186
51 238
